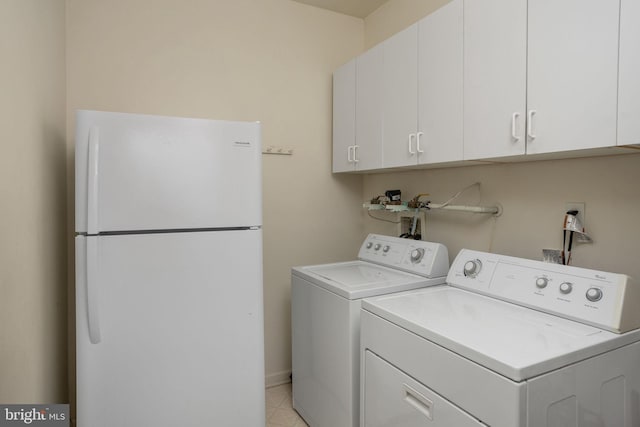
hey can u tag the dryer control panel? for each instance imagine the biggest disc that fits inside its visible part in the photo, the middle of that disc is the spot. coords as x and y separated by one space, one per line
605 300
426 259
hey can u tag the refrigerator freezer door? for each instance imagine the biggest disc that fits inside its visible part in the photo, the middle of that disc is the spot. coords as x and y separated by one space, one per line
180 322
140 172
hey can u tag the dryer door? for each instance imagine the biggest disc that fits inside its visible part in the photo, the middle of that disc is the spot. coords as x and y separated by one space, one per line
394 399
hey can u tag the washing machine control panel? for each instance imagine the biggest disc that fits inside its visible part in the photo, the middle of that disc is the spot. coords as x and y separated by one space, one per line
601 299
426 259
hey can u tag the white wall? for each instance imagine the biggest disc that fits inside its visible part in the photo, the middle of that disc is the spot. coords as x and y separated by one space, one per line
33 305
533 194
266 60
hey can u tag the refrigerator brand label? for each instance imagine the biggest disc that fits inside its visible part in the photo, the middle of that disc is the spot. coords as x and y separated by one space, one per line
35 415
245 144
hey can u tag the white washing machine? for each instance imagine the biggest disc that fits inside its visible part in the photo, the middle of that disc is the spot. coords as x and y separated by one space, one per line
507 342
325 318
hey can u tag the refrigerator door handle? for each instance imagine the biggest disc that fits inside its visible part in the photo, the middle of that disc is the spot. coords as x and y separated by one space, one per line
93 314
92 184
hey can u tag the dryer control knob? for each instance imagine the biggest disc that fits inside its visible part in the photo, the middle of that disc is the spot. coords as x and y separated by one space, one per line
377 246
542 282
594 294
369 244
416 255
386 248
472 268
566 287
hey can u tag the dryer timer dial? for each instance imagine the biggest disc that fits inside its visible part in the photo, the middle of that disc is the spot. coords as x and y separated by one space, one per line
472 268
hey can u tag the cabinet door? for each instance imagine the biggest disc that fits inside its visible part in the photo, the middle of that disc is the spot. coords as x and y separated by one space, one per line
572 74
440 74
344 117
629 84
400 98
368 152
494 77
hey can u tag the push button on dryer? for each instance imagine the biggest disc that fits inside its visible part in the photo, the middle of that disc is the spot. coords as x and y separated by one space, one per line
566 287
542 282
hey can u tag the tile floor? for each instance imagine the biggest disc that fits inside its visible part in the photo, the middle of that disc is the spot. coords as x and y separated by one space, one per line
280 412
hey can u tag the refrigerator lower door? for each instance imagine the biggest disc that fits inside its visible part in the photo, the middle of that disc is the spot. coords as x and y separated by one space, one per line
170 330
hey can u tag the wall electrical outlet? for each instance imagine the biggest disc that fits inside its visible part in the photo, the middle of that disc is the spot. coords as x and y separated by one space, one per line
577 206
580 207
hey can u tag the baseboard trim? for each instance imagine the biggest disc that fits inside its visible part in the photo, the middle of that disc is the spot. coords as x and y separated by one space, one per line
278 378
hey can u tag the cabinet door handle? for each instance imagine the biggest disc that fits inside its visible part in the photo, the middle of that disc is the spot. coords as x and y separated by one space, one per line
418 135
349 156
530 125
411 136
355 153
514 120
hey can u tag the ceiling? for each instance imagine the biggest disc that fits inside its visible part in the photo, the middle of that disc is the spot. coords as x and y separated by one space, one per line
357 8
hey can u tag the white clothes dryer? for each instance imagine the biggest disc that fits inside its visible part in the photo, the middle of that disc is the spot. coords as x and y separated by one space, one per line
507 342
325 318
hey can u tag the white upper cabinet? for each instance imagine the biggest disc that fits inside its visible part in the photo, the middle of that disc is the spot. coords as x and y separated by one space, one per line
495 77
572 74
422 101
344 117
540 76
400 98
357 113
368 148
440 90
629 82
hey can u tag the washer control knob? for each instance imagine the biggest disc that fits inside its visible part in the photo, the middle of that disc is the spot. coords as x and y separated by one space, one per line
416 255
369 244
594 294
377 246
566 287
386 248
542 282
472 268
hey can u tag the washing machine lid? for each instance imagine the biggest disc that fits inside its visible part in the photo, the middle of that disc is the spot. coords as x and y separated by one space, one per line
514 341
361 279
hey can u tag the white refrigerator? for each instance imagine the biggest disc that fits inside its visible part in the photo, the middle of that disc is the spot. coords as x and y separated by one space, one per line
169 314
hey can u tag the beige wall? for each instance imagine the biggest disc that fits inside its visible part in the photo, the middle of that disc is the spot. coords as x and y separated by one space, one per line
266 60
33 306
533 194
396 15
